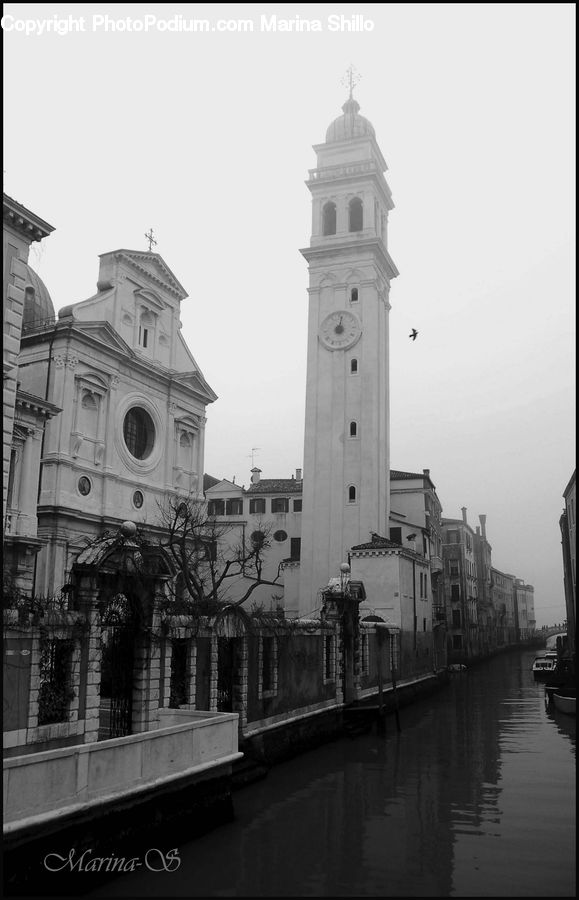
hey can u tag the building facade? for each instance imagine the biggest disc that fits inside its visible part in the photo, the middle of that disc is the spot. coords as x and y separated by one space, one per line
487 636
25 413
568 544
460 588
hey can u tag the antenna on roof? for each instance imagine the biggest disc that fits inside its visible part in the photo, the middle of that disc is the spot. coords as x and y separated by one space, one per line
252 454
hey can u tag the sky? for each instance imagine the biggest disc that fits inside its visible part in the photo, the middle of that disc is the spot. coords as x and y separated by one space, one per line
119 121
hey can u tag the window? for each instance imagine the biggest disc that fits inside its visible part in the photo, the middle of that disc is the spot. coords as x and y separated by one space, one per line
396 535
139 432
329 218
456 618
216 508
353 429
138 499
257 505
457 642
280 536
353 366
297 505
55 691
351 494
296 548
145 329
234 507
84 485
179 683
424 624
14 458
454 592
354 295
356 215
454 570
425 585
280 505
421 591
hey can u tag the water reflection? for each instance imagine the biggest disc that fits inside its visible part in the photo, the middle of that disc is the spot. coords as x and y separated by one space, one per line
474 798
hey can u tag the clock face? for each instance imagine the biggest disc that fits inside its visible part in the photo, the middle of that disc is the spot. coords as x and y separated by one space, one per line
340 330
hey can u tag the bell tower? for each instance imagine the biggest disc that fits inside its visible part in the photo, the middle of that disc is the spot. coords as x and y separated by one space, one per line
346 449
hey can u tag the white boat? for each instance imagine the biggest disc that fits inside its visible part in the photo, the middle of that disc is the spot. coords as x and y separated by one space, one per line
565 702
544 665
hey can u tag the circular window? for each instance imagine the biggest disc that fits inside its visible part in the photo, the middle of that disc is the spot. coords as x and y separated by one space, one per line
280 536
138 499
84 486
139 432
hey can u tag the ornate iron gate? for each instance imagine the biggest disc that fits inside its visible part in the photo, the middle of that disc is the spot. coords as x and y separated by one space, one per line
118 643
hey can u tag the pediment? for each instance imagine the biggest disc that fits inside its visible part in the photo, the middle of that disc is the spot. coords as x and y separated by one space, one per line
194 381
224 485
154 267
106 334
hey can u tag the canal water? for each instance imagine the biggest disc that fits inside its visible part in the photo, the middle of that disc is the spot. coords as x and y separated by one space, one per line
475 797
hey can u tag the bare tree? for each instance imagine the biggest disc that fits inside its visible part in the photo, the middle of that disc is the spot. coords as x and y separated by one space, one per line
207 558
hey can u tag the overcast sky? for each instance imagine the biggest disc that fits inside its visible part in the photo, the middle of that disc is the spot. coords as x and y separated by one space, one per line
207 138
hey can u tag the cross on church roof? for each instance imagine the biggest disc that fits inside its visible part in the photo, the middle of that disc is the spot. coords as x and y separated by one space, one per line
351 79
151 239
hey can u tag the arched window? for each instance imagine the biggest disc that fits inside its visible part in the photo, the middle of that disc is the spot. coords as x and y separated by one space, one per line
351 494
353 429
353 295
329 218
356 215
353 366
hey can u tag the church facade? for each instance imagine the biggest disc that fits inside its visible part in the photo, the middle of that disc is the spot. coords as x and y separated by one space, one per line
133 400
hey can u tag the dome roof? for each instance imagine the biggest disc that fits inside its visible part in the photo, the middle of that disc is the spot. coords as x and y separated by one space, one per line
37 303
350 125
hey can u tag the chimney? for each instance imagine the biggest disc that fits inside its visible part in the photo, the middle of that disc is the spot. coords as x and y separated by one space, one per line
478 531
483 526
464 515
426 472
255 473
298 474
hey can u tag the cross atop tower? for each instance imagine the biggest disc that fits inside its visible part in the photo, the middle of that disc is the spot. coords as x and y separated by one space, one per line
151 239
351 79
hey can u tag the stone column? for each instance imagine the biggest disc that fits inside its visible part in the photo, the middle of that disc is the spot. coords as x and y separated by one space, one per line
191 693
240 684
140 684
168 647
34 686
213 679
93 676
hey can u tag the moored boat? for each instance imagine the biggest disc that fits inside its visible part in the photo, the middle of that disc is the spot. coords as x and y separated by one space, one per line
544 666
565 702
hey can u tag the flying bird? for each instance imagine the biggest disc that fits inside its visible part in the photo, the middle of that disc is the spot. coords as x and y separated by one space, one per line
413 334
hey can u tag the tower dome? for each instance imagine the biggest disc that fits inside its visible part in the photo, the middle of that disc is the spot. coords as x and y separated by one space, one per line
350 124
38 306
